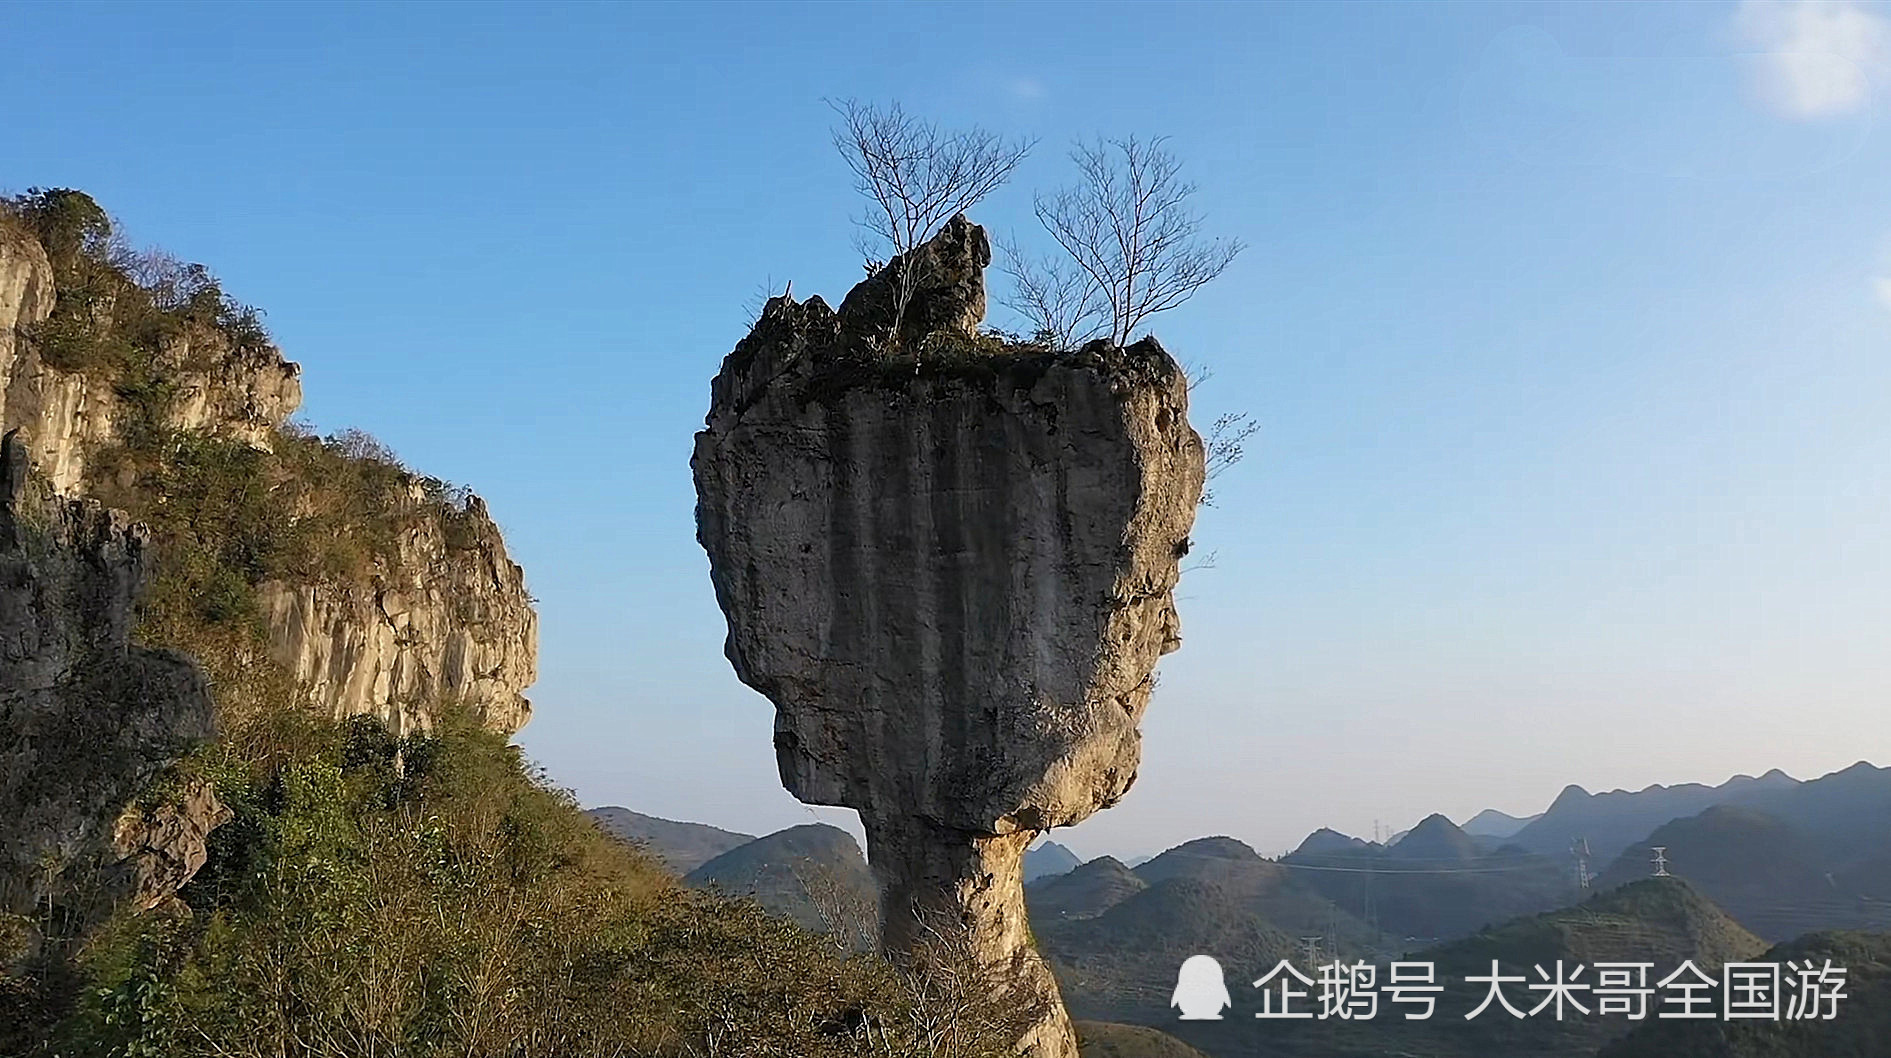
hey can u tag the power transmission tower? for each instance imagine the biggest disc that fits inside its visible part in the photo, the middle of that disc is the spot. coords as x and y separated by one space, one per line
1312 946
1661 860
1580 849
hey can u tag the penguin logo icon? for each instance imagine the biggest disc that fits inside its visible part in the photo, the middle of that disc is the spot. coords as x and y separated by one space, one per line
1200 990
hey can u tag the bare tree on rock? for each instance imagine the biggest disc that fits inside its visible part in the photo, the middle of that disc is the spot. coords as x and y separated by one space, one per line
1062 304
1129 229
916 176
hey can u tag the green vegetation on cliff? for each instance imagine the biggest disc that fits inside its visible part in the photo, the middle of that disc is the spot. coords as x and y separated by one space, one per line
431 894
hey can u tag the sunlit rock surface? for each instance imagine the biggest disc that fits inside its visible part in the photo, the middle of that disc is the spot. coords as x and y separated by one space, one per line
948 562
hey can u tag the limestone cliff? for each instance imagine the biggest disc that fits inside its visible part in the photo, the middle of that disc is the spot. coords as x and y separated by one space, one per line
87 718
63 415
447 620
154 495
441 617
950 567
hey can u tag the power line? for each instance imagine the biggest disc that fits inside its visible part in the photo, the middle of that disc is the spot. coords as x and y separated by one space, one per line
1422 870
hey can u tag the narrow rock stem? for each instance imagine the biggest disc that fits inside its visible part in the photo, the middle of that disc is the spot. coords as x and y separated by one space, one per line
952 902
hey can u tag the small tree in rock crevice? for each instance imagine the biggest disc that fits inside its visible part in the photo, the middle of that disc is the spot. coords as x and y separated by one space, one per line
916 176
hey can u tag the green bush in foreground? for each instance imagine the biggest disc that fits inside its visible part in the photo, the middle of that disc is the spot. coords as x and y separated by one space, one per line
433 896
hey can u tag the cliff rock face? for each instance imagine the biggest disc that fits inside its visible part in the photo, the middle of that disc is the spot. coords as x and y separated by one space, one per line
448 621
443 620
62 414
163 847
952 575
87 719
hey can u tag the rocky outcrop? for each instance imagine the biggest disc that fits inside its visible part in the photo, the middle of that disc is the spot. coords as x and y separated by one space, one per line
949 566
62 416
944 281
163 846
87 719
437 616
444 620
449 621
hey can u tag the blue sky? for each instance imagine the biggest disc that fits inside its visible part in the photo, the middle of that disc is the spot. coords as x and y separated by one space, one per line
1566 327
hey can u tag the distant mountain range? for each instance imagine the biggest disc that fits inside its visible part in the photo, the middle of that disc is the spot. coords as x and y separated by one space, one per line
814 874
1612 821
1435 883
1754 860
1776 878
1662 920
1490 823
682 847
1048 858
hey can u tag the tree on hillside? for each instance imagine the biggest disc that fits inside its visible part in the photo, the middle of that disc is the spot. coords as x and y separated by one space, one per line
1133 242
916 176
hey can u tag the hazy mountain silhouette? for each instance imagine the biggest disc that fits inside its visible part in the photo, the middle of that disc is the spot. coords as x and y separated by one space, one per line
1086 892
682 847
1490 823
1285 899
1435 883
1048 858
814 874
1774 878
1435 840
1327 840
1614 820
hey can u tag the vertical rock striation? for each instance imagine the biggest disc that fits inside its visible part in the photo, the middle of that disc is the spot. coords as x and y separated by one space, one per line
951 572
435 615
87 718
446 619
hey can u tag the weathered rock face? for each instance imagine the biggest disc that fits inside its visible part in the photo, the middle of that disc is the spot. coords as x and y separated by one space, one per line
89 719
947 290
86 718
447 620
953 578
163 847
240 394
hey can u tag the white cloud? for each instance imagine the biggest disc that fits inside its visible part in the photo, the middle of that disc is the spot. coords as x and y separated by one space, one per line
1028 88
1881 286
1816 57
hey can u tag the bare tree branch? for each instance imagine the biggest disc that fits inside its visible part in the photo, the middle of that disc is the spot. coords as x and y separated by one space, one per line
1128 227
1063 307
915 176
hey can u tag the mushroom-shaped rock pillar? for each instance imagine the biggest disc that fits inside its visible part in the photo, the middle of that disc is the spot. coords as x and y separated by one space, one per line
949 563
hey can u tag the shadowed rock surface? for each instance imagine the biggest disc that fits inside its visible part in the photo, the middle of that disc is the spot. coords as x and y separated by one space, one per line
950 568
86 717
